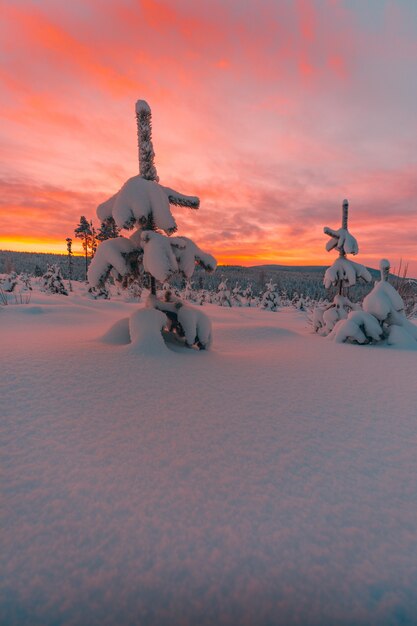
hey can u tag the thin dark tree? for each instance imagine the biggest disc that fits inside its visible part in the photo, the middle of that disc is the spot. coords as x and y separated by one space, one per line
84 232
70 261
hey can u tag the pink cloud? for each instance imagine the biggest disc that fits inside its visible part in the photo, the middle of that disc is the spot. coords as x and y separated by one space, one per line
272 112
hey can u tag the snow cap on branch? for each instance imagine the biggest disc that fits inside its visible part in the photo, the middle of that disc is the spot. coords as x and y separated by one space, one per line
110 254
345 271
188 255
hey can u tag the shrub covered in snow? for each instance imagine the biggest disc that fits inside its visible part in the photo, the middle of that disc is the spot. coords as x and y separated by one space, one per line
52 281
382 317
270 298
9 283
223 296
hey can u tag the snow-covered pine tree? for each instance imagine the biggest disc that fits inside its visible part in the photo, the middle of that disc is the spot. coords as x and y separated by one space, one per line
343 274
25 279
270 297
387 306
188 292
143 205
247 295
223 295
9 283
52 281
84 232
382 317
237 295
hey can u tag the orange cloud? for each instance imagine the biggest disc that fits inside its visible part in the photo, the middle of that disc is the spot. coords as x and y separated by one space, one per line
271 112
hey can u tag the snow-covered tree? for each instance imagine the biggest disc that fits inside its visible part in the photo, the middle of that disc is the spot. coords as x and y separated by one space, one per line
382 317
343 274
9 283
223 295
26 281
247 295
270 297
52 281
237 295
386 305
143 205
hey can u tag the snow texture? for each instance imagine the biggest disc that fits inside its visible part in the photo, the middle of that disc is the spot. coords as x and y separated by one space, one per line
269 481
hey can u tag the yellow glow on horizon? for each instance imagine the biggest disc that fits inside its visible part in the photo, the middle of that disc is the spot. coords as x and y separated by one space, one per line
28 244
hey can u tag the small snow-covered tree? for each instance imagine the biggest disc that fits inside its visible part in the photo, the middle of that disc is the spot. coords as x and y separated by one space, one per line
382 317
386 305
237 295
247 295
52 281
9 283
270 297
223 295
143 205
26 281
343 274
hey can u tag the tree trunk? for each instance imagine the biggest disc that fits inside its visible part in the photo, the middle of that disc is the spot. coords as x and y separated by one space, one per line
86 257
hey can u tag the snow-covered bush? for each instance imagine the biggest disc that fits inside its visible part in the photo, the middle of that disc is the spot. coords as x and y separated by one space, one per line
386 305
52 281
382 317
25 281
237 295
9 283
143 205
248 298
270 298
359 327
223 295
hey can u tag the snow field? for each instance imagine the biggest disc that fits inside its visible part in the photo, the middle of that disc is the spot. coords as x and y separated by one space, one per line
271 480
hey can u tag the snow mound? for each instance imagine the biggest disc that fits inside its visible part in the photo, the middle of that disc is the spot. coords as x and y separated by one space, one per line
145 328
196 326
399 338
118 334
383 301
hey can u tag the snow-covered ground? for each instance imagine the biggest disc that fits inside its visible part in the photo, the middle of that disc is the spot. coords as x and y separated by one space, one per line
271 480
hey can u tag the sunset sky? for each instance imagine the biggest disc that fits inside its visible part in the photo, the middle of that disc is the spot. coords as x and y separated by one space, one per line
272 111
